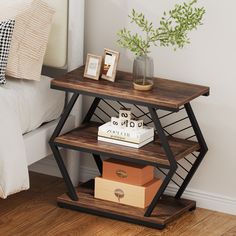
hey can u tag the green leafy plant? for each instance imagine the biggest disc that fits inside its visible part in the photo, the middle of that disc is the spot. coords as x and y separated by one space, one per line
173 30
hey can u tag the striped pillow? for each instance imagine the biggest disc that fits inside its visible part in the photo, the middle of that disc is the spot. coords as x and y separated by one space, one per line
33 21
6 31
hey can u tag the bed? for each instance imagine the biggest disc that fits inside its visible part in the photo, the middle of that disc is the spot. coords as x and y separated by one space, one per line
38 107
55 57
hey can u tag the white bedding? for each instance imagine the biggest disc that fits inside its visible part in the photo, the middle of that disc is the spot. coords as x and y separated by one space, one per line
35 103
24 106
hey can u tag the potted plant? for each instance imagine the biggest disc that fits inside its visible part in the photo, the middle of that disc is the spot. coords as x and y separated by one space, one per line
173 31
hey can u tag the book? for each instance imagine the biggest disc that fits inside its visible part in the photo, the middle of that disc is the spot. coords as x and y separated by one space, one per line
125 134
125 143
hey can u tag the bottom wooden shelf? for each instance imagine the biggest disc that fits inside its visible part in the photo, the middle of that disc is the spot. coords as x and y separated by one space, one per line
167 210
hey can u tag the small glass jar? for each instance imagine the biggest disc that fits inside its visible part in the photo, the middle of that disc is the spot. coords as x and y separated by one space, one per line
143 70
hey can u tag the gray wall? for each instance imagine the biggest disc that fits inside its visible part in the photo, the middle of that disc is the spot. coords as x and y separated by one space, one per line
209 60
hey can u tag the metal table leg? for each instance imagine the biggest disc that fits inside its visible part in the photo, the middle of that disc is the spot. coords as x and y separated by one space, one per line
170 156
203 149
71 190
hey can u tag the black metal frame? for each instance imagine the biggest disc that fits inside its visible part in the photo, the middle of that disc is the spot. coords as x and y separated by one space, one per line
71 190
203 149
111 215
163 133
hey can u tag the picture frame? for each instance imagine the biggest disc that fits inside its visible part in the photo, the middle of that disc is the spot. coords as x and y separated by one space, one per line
93 67
110 62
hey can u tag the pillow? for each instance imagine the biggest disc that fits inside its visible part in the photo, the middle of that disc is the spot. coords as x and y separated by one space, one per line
33 19
6 30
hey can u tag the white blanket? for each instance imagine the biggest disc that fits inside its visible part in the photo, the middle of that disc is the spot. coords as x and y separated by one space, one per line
36 102
13 164
24 106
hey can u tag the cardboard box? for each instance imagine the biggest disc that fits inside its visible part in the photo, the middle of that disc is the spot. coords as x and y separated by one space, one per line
129 173
132 195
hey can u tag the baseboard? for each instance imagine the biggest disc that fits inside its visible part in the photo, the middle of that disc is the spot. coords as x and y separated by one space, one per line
204 200
46 166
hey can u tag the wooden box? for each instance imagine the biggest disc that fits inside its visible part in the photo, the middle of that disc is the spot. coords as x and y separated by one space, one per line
132 195
129 173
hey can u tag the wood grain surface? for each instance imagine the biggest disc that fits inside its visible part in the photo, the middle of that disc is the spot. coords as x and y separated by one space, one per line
86 137
35 212
167 210
166 93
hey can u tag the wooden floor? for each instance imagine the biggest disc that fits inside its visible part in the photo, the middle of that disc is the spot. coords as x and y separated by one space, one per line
34 212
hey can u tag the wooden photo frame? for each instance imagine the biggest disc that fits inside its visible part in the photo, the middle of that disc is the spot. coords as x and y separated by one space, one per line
110 62
93 67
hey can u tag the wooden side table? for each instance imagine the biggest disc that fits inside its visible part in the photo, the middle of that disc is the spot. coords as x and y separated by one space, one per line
166 153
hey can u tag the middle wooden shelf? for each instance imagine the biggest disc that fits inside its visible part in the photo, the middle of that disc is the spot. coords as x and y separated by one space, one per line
84 139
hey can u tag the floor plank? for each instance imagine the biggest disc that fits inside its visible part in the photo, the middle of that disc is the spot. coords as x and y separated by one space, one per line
35 212
216 224
176 228
231 232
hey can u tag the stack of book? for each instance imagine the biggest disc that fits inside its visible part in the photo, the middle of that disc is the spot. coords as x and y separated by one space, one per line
135 137
125 136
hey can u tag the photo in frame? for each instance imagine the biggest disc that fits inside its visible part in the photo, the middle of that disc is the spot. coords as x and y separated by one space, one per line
93 67
110 63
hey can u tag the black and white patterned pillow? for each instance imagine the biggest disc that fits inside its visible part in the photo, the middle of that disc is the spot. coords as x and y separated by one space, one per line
6 31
